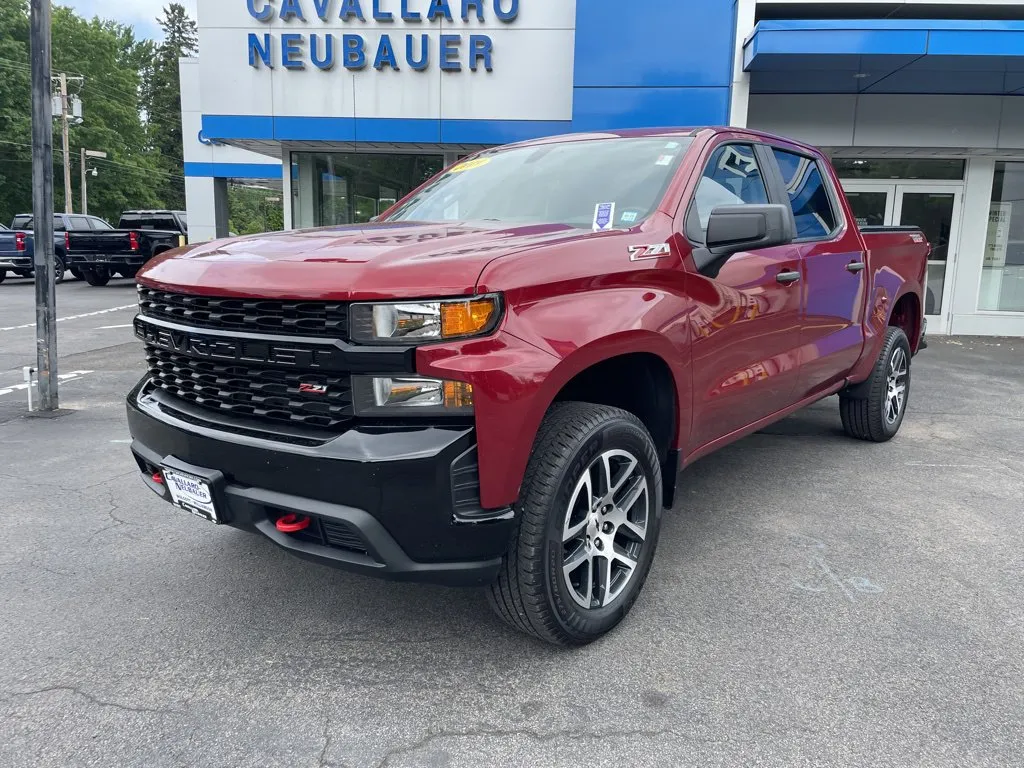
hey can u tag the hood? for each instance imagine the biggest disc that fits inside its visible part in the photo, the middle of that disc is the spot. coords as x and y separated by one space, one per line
368 262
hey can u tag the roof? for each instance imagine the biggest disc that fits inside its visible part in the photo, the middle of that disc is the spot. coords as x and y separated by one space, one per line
162 212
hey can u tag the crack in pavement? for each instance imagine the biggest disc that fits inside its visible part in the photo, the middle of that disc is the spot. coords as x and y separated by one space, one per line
92 699
322 760
542 738
114 507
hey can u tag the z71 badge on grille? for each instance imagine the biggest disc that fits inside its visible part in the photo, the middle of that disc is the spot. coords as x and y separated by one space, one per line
313 389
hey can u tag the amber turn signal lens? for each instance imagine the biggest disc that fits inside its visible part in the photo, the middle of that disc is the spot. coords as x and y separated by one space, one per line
466 318
458 394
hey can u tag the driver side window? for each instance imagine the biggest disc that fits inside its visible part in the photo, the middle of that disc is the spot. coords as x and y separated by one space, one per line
732 177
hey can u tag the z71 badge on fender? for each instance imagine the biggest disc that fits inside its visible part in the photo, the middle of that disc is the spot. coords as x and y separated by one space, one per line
638 252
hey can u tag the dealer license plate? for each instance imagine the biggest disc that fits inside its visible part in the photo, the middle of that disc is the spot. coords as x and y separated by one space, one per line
192 494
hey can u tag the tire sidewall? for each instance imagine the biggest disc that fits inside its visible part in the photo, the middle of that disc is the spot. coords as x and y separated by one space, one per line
619 434
897 339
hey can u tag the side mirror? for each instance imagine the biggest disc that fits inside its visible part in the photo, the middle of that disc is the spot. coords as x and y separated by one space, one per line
735 228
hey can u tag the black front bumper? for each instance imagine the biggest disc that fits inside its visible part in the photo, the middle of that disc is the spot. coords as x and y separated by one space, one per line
397 503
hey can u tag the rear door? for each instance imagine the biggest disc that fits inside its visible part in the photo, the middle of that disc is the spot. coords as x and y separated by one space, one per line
835 271
746 321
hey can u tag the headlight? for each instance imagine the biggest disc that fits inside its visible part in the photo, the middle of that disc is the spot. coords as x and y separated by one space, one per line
411 395
424 321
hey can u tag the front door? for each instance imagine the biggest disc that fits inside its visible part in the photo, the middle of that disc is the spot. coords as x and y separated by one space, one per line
746 318
935 208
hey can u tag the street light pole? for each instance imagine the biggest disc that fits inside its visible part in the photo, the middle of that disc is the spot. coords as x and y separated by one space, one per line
42 205
86 154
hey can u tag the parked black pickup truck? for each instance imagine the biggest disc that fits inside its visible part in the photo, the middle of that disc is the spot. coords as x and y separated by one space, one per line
140 236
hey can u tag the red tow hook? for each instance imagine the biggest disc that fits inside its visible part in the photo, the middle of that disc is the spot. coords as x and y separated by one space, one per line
293 523
158 478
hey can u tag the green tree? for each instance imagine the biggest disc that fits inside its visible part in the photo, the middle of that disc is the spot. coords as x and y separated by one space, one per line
162 97
109 58
254 209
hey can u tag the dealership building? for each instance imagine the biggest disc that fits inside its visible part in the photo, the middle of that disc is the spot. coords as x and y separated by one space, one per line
343 106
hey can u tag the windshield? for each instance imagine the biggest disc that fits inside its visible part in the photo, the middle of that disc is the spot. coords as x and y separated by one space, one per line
604 184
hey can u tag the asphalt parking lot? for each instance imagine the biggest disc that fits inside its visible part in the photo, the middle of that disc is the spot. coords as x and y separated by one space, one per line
814 601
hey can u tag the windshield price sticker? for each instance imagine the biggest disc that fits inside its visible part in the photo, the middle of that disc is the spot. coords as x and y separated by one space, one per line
604 217
471 164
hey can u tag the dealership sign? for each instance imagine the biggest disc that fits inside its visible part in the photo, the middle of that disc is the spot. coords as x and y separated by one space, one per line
406 49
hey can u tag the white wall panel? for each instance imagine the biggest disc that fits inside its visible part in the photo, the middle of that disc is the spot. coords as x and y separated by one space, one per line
532 77
532 80
927 121
819 120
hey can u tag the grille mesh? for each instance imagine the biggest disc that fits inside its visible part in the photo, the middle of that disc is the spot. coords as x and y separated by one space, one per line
284 318
251 391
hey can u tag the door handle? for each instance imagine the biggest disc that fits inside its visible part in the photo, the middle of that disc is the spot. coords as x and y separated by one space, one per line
788 278
856 266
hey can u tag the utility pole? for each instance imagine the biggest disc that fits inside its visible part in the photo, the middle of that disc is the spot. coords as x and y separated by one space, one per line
65 115
42 205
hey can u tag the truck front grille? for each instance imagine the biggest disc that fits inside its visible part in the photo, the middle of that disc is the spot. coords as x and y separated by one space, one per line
322 319
297 398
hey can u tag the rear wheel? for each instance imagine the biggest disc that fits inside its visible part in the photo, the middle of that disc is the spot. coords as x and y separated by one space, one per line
3 275
59 270
76 273
590 514
874 410
96 277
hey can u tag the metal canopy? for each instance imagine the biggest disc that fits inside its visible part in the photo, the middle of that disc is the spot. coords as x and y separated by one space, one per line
886 56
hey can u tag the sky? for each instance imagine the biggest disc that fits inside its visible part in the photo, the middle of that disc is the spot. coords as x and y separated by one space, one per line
140 14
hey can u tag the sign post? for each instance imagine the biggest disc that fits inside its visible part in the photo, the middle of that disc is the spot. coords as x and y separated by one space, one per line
42 205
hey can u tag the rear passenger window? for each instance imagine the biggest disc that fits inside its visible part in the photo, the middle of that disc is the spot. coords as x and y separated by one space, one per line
732 177
79 223
812 206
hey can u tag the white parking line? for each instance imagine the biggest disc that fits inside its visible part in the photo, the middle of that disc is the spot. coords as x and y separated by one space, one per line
113 327
74 317
61 377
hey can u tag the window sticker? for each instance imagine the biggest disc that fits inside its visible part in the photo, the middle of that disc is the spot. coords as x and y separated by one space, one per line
630 217
470 165
672 145
665 160
604 217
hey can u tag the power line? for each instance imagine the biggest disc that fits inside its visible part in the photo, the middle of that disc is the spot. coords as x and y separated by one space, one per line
109 91
138 168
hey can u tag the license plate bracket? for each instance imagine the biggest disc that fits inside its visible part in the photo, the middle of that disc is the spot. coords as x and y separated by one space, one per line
196 490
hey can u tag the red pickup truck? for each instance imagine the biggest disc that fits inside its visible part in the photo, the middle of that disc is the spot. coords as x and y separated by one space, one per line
498 382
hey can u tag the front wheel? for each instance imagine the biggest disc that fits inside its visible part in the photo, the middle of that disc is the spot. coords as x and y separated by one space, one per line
96 277
874 410
3 275
590 514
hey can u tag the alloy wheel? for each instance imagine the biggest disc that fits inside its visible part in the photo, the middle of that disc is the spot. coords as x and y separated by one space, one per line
605 529
896 396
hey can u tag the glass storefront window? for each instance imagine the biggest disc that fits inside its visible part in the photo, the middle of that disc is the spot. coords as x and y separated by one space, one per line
333 189
1002 275
903 168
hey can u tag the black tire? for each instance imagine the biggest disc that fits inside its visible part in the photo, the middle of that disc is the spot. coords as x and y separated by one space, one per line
76 273
59 270
531 593
25 274
96 277
3 275
869 410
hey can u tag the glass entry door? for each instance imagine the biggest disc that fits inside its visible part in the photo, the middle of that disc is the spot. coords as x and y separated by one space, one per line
935 208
